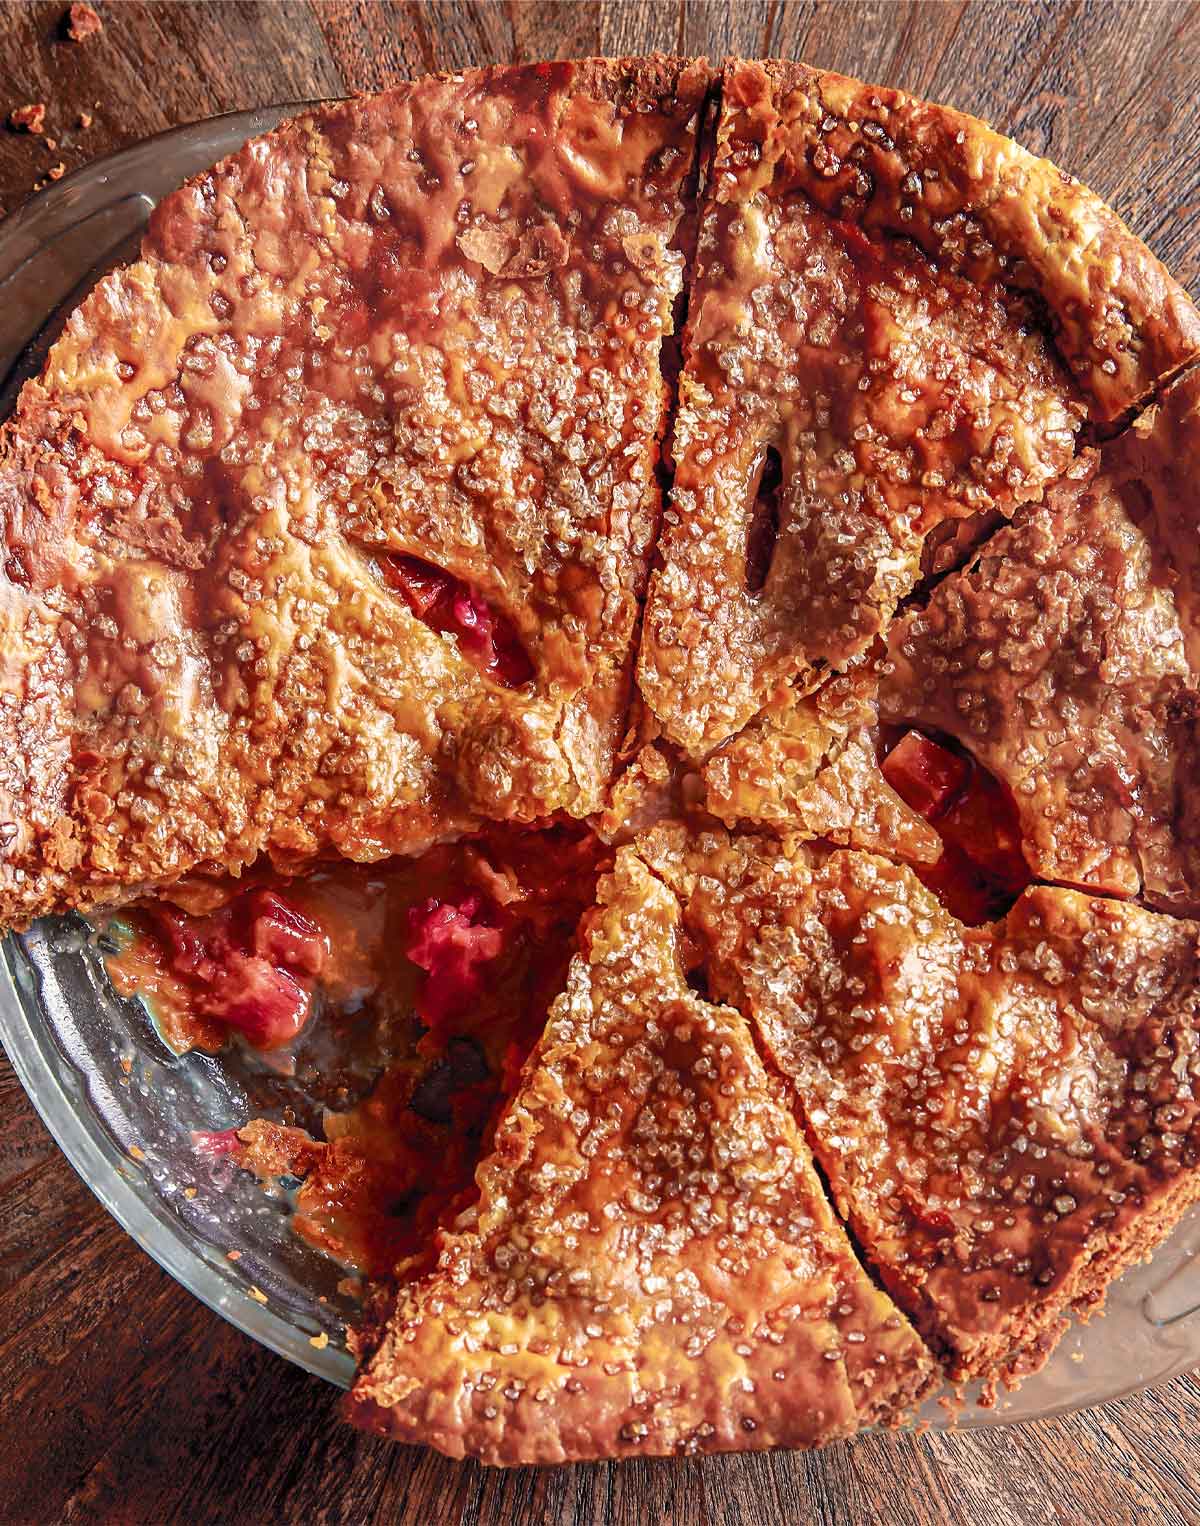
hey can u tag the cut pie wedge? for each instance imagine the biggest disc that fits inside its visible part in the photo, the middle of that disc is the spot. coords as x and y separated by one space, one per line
327 521
1008 1116
653 1267
898 325
1066 659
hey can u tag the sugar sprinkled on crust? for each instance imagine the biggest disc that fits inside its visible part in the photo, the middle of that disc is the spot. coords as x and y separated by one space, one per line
913 318
316 364
1066 656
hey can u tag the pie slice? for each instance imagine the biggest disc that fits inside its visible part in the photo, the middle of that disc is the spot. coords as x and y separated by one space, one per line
898 325
1008 1116
327 521
653 1267
1066 659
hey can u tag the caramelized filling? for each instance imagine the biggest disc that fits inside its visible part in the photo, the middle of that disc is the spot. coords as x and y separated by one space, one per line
428 979
982 870
446 603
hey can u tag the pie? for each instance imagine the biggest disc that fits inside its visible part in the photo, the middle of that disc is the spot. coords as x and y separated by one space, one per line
629 635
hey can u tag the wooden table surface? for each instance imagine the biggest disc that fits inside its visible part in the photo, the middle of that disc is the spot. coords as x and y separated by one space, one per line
121 1397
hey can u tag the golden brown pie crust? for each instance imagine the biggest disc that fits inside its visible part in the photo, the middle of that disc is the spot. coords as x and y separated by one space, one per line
909 485
427 322
1007 1116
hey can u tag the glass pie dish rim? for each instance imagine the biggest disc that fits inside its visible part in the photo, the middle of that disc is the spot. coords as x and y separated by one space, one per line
50 1081
57 1086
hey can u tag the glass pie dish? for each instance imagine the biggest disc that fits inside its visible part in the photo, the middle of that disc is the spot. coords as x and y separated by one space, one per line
124 1108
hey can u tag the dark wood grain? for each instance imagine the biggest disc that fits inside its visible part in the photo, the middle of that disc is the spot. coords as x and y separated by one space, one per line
121 1398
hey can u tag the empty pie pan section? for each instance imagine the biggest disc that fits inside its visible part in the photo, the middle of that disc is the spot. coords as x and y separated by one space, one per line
124 1109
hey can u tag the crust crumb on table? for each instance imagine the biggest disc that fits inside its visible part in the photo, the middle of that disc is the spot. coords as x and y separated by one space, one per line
30 119
82 22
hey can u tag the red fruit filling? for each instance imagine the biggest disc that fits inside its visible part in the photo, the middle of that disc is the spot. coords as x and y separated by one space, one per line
445 603
417 1054
982 869
249 966
451 941
216 1141
924 775
489 928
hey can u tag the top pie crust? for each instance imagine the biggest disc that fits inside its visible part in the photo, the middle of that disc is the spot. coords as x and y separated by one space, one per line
427 322
917 317
430 324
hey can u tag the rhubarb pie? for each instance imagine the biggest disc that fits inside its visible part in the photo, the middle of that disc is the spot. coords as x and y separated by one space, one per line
629 634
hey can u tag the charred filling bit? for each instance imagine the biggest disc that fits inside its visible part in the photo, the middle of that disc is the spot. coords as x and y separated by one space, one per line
982 869
446 603
764 522
424 984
